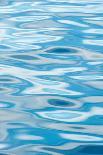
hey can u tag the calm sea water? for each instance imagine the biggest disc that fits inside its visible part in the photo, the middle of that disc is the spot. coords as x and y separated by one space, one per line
51 78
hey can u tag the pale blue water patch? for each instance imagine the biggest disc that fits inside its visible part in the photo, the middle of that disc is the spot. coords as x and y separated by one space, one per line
51 77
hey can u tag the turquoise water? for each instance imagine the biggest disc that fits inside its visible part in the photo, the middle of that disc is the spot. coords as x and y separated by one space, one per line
51 78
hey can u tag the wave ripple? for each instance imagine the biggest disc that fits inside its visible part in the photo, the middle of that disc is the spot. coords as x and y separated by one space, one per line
51 77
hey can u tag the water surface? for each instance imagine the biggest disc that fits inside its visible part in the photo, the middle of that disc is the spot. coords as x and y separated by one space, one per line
51 78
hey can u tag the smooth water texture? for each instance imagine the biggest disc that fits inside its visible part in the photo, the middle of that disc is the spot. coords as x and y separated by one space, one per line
51 78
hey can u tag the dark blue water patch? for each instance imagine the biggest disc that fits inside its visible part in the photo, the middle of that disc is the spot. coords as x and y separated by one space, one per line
61 50
61 103
92 150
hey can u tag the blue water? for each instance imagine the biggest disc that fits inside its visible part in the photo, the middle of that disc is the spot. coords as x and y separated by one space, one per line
51 77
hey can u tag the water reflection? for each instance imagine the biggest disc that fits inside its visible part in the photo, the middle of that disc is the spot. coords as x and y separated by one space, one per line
51 77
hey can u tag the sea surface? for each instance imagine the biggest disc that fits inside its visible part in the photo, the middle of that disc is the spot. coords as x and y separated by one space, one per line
51 77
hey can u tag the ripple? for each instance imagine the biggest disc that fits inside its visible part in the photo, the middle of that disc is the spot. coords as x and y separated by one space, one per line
73 23
69 116
28 137
80 137
3 146
6 104
60 115
51 77
24 57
